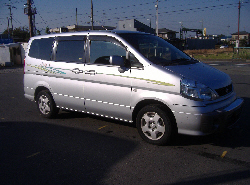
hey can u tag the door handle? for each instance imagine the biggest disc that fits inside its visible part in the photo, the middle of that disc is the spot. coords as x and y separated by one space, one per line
90 72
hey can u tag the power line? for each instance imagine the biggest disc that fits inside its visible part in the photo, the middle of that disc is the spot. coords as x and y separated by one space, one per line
138 11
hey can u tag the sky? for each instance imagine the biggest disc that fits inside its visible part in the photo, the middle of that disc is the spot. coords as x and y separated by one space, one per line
217 16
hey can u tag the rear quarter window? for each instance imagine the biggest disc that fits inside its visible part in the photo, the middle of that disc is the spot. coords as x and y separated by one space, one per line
41 48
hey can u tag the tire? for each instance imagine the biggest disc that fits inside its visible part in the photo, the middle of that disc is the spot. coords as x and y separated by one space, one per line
153 125
46 105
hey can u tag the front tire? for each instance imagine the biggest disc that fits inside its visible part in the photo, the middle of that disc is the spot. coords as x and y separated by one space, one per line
153 125
46 104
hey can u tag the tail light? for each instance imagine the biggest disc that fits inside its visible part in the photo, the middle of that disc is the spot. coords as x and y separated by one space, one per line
24 66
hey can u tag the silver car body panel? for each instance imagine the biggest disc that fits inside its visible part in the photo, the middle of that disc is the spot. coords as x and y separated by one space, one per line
104 91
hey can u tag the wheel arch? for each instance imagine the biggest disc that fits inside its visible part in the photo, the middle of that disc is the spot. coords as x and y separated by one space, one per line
45 102
161 105
39 89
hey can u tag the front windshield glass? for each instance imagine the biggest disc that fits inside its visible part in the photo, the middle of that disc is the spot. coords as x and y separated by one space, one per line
157 50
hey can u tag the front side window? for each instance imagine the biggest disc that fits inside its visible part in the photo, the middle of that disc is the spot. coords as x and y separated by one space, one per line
70 50
101 49
41 48
134 62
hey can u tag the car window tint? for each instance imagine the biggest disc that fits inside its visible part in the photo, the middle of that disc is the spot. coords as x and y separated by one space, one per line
157 50
70 51
100 51
41 48
134 62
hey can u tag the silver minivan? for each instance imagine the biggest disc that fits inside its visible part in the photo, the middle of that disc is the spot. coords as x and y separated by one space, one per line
132 77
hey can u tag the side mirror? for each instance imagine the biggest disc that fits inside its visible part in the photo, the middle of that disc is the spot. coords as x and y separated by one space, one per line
117 60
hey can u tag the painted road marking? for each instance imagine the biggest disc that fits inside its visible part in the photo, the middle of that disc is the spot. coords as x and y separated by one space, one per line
33 155
240 64
102 127
223 154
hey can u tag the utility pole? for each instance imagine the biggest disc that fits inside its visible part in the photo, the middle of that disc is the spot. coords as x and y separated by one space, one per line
156 6
10 29
181 32
76 17
11 18
92 16
8 26
202 29
149 22
228 30
238 40
31 16
239 24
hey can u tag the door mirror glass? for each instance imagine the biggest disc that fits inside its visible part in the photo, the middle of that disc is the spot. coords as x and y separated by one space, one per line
116 60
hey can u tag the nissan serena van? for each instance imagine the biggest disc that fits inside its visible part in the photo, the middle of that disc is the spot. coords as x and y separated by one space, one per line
129 76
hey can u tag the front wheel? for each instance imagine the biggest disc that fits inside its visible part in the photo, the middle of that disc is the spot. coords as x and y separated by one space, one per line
46 104
153 125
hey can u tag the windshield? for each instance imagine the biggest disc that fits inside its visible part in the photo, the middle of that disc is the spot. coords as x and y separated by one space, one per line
157 50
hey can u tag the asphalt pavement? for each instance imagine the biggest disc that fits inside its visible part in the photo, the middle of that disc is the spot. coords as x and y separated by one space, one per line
77 148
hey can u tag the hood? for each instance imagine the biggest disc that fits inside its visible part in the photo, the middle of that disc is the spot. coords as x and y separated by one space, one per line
202 73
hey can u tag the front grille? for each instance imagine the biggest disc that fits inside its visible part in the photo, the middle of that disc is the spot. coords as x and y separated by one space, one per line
224 90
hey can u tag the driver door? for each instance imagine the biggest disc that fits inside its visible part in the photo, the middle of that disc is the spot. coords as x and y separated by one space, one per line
107 91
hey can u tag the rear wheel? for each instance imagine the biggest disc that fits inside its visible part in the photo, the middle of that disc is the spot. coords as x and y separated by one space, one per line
46 104
153 125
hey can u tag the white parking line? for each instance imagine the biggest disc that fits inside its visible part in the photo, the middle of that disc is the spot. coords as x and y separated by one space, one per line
240 64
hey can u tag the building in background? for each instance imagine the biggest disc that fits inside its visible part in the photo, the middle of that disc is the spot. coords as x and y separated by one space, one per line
134 25
243 37
167 34
75 28
12 53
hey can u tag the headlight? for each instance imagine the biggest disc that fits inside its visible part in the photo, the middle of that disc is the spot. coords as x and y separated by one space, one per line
196 90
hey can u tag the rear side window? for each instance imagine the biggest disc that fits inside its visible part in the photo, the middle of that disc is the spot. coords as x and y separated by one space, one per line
70 50
41 48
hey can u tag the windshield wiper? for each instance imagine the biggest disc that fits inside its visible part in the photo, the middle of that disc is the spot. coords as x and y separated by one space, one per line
182 61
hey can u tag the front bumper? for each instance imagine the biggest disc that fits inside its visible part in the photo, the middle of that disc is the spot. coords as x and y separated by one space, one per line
222 118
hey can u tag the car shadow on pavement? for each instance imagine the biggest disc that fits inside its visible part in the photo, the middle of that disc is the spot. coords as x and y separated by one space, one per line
224 177
40 153
71 115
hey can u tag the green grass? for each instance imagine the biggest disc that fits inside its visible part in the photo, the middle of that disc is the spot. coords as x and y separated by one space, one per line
243 54
219 56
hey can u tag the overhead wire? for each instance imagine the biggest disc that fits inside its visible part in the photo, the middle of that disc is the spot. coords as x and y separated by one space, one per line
129 14
112 16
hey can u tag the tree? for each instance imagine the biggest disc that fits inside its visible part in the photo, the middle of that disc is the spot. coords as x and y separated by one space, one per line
243 43
38 32
20 34
47 30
